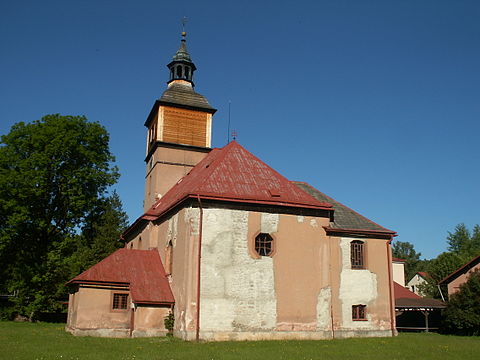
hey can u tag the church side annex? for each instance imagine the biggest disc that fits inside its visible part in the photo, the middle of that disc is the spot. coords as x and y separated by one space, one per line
234 249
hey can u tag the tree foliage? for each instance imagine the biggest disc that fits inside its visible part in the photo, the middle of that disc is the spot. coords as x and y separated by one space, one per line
101 228
462 315
463 246
406 251
462 242
439 268
54 177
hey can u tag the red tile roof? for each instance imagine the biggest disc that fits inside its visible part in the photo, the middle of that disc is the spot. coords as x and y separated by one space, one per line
398 259
234 174
423 274
403 293
142 270
404 298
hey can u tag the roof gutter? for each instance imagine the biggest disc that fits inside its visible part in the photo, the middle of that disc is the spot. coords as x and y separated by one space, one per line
150 215
387 234
267 202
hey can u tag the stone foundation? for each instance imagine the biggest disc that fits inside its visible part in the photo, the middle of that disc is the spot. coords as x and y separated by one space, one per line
283 335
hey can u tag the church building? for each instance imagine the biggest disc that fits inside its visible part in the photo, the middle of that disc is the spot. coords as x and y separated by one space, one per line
231 247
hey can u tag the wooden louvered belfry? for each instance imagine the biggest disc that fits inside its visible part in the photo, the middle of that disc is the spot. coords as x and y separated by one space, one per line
179 129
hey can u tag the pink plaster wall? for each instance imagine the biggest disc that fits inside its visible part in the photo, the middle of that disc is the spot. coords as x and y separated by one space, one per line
454 286
168 166
91 308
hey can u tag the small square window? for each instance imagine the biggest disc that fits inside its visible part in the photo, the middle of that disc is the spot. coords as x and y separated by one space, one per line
120 302
359 312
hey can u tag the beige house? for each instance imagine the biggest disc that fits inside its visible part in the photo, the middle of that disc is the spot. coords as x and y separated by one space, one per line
415 283
398 268
243 253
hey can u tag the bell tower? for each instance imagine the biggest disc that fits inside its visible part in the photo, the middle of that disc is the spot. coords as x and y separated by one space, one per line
179 129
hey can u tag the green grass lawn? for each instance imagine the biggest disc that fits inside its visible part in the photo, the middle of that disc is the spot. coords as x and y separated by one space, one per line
50 341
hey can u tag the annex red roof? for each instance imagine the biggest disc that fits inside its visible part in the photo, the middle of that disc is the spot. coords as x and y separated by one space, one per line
398 259
234 174
404 298
142 270
403 293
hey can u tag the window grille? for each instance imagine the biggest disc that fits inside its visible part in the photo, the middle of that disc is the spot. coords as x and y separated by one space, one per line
358 312
264 244
357 254
120 301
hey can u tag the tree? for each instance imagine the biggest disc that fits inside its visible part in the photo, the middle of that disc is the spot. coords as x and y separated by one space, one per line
406 251
475 238
462 315
54 176
439 268
95 242
462 242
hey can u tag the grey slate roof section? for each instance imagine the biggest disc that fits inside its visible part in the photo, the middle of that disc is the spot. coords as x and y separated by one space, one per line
344 217
183 94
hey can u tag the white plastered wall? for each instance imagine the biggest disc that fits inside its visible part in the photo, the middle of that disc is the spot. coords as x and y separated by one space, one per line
398 269
357 286
414 283
237 291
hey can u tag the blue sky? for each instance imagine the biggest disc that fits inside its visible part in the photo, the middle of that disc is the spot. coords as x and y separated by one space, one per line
375 103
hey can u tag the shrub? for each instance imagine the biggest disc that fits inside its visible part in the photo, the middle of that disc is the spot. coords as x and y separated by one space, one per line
462 315
169 321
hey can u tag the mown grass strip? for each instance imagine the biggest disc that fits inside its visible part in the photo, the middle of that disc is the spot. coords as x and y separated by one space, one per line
50 341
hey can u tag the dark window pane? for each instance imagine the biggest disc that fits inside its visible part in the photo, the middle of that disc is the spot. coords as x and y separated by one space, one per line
264 244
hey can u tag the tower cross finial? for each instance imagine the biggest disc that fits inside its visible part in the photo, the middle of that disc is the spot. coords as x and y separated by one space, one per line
184 23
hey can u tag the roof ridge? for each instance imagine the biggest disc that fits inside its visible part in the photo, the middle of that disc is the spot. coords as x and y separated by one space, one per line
373 222
223 153
277 173
232 173
105 259
453 274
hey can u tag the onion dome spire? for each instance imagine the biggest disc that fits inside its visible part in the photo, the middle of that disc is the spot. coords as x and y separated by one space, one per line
182 67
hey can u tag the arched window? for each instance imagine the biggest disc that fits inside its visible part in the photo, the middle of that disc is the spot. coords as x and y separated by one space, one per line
179 71
264 244
357 254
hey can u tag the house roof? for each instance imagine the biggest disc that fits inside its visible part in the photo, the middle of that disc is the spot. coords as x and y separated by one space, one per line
423 274
461 270
233 174
141 270
345 219
179 93
398 259
404 298
401 292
